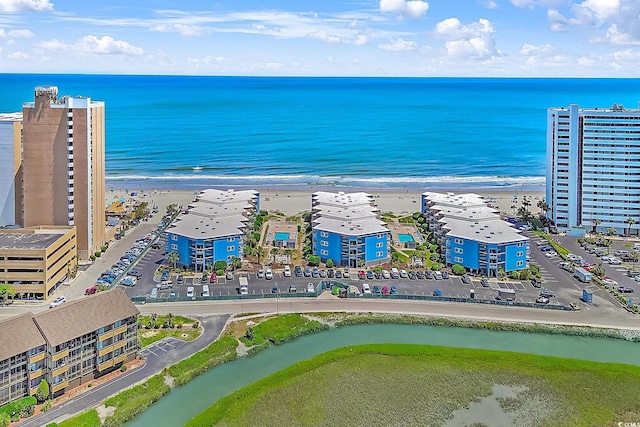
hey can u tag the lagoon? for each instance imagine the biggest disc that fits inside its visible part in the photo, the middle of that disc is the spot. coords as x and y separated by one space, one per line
183 403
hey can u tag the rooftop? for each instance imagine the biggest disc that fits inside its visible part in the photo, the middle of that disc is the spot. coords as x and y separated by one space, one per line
491 231
19 334
225 197
452 199
10 117
341 198
78 317
29 239
479 213
203 227
359 227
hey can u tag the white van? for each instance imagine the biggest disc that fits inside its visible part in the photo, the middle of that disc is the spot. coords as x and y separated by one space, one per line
190 292
205 290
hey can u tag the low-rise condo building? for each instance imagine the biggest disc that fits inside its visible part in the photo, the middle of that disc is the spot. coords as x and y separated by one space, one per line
347 229
593 168
472 234
36 260
68 345
213 228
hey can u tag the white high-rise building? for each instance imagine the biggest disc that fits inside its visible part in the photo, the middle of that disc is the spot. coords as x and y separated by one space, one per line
10 169
593 168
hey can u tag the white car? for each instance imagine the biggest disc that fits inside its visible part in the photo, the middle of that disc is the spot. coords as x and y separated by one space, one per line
244 290
366 289
205 291
550 254
287 271
190 292
57 302
268 274
610 282
637 278
386 274
614 261
311 288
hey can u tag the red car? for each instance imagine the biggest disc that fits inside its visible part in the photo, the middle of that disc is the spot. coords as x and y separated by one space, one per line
362 274
92 290
213 278
385 290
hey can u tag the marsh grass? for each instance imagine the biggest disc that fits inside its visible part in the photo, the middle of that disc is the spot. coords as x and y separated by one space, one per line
418 385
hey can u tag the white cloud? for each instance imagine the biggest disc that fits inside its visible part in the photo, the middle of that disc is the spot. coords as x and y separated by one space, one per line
490 4
474 40
182 29
532 4
20 34
18 55
2 33
25 5
398 45
529 49
91 44
328 38
411 9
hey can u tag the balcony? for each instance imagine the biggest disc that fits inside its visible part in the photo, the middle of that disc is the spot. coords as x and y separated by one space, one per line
70 114
70 182
105 350
70 123
120 358
35 374
70 165
70 139
71 222
59 355
105 365
70 174
70 206
59 386
70 197
120 329
70 156
36 357
60 370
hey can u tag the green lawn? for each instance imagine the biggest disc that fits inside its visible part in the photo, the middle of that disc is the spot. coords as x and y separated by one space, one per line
149 336
418 385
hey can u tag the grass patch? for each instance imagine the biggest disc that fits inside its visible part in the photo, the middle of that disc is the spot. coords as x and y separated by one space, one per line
220 351
182 329
85 419
132 402
397 384
280 329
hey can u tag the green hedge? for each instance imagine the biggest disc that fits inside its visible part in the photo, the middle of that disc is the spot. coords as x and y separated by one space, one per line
86 419
283 328
21 408
220 351
135 400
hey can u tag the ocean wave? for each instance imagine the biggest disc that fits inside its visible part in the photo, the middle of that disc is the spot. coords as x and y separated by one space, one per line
305 180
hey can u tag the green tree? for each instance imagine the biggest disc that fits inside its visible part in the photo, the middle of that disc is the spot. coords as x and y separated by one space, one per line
168 321
6 293
330 263
5 419
236 263
173 258
543 206
596 223
42 392
220 265
313 260
598 270
152 322
630 221
634 255
458 270
525 274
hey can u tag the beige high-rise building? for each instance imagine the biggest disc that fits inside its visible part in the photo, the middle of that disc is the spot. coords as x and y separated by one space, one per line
63 165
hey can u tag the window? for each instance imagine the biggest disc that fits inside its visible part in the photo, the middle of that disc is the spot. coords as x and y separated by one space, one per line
230 248
520 253
324 243
458 250
521 244
379 245
324 252
380 236
519 263
324 234
174 237
379 254
458 260
231 239
457 241
174 247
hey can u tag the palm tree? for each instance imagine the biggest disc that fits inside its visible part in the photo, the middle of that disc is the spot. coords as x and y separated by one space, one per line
274 253
173 258
596 223
543 206
168 321
236 263
608 243
630 221
152 323
634 255
598 270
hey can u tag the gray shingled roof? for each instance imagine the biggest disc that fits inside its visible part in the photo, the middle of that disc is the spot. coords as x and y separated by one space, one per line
76 318
19 334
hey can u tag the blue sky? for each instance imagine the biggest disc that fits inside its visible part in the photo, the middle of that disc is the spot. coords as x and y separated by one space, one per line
501 38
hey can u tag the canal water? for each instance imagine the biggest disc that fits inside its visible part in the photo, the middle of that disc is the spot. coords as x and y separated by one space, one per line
183 403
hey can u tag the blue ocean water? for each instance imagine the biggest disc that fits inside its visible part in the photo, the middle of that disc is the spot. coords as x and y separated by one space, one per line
359 132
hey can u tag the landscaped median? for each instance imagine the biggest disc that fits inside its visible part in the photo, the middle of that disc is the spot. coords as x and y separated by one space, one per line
153 328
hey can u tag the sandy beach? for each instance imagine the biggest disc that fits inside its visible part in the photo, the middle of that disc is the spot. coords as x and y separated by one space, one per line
291 202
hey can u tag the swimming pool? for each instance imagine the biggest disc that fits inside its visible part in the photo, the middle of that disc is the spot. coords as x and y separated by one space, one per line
281 235
405 238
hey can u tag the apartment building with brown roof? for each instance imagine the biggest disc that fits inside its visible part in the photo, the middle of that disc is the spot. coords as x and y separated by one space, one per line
63 165
68 345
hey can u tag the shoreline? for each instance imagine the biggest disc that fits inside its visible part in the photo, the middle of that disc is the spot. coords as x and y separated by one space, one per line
294 200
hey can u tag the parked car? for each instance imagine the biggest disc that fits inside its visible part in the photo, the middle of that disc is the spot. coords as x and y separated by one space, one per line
547 293
376 290
437 293
330 273
180 280
338 274
465 279
386 274
135 273
445 275
625 289
292 288
190 292
428 274
229 275
213 278
268 274
437 275
385 290
310 287
244 290
370 275
172 295
536 282
129 281
345 273
323 274
57 302
154 293
366 289
542 300
314 272
394 290
362 275
412 275
165 284
274 290
403 274
395 274
298 271
307 272
92 290
484 282
205 291
420 275
287 271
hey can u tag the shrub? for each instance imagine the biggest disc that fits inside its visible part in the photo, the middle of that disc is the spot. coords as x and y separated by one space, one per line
92 257
42 393
132 402
196 324
5 419
46 406
458 270
330 263
21 408
123 368
218 352
97 254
